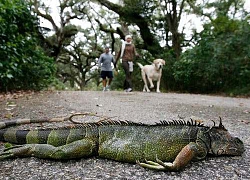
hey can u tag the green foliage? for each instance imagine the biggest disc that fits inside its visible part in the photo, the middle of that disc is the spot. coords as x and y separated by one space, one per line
142 7
220 62
8 145
168 81
23 64
118 80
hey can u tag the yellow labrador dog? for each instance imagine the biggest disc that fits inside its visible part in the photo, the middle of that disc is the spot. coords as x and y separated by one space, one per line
153 72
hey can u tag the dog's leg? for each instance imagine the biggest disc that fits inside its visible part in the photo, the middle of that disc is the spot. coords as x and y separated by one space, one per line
143 74
151 82
158 85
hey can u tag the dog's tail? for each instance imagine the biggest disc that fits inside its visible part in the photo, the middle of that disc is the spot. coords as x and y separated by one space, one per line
140 65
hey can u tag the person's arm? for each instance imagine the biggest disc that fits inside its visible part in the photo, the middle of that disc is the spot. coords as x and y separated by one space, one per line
100 61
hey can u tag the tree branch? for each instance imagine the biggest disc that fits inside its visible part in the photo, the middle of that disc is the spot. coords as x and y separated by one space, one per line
150 42
45 16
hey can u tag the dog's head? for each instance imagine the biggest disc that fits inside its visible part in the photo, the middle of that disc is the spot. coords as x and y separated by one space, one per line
159 63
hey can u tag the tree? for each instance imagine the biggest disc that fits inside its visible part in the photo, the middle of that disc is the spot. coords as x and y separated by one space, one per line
74 48
65 31
220 60
158 22
23 65
76 66
155 26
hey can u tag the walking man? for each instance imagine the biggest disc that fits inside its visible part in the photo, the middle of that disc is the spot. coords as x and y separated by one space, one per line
104 63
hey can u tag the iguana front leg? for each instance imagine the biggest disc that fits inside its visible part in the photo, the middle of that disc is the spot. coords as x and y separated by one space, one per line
76 149
189 152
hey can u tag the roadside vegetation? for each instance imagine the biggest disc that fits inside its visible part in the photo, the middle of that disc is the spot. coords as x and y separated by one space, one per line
40 51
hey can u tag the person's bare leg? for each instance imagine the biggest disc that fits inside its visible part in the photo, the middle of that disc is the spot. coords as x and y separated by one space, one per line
109 81
104 82
108 84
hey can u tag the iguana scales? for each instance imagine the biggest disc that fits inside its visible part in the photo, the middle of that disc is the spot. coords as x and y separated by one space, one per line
167 145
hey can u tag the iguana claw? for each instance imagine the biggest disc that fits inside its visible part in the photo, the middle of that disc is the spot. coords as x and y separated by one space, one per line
151 162
166 164
14 151
12 147
5 155
158 165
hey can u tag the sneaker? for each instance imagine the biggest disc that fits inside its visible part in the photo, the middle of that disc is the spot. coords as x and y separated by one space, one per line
108 88
129 90
104 89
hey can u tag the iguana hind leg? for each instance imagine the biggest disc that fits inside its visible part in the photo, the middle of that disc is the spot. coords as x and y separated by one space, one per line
76 149
189 152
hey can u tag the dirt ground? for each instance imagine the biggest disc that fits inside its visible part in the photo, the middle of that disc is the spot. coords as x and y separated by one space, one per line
138 107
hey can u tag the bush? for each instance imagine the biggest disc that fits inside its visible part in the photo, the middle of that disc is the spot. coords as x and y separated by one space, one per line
23 63
219 63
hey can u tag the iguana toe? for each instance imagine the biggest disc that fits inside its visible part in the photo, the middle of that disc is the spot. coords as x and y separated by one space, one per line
6 155
12 147
151 165
164 164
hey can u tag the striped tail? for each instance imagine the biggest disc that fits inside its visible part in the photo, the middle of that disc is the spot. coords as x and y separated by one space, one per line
20 136
6 124
56 137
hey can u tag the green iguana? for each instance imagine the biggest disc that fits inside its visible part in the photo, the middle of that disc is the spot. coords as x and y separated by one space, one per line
167 145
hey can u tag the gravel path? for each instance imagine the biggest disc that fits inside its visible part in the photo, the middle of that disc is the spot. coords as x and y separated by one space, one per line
138 107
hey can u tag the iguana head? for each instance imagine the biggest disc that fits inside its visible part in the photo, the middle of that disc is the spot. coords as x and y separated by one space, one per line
223 143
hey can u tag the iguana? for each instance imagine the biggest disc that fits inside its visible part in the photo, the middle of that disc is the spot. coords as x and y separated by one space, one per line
166 145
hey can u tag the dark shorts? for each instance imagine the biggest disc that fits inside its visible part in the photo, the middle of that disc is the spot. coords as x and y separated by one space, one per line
105 74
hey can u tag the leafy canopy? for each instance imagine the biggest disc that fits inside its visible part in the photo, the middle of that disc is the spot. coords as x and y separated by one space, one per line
23 64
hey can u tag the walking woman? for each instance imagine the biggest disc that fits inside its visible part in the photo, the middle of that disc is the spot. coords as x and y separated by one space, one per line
127 53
